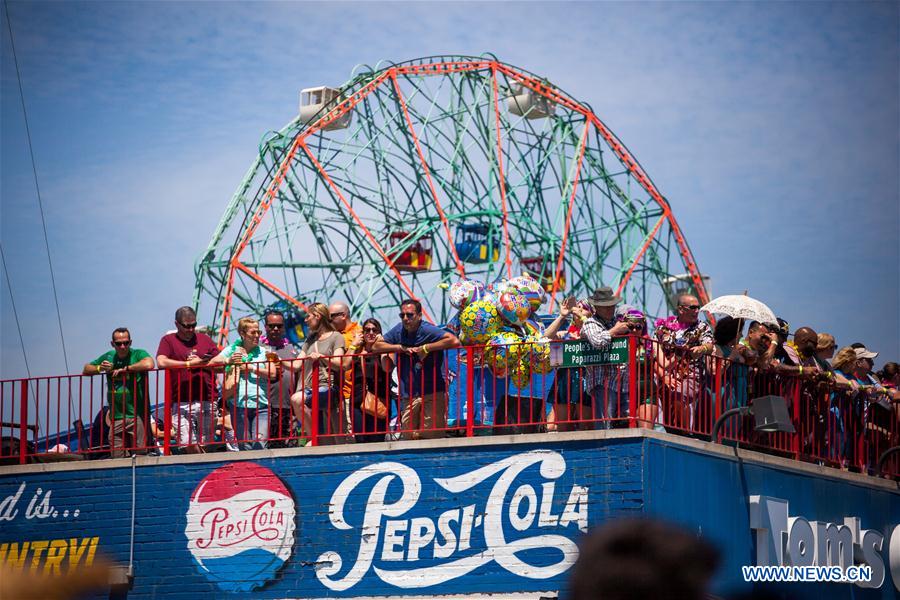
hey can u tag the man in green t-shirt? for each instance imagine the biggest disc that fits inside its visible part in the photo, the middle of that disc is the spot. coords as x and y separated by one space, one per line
126 392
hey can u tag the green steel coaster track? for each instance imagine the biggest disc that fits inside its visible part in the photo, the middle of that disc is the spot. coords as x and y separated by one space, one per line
418 173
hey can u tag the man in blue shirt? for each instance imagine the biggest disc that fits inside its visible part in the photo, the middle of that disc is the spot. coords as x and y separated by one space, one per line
418 351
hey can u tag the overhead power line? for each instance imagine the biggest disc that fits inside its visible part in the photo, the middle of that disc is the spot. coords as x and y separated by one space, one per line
37 187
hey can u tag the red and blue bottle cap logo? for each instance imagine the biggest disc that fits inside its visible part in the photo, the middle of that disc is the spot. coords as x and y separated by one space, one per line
240 526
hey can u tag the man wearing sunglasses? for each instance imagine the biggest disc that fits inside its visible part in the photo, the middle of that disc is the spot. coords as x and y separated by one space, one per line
683 342
419 352
275 340
126 392
193 387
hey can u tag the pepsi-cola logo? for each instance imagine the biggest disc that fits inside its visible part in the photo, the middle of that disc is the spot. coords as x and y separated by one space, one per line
240 526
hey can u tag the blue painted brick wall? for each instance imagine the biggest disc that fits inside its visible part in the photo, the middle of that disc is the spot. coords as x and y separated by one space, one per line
704 490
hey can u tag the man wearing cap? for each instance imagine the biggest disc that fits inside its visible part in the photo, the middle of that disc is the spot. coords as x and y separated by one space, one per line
876 403
607 384
863 353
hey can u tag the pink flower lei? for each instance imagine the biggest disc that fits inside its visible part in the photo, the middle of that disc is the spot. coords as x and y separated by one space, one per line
671 323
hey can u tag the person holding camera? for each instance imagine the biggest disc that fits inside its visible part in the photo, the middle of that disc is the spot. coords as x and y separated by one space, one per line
608 384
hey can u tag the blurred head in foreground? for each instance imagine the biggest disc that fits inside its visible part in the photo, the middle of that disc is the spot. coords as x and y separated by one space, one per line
632 559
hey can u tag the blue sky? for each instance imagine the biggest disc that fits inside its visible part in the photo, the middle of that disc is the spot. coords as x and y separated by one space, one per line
771 127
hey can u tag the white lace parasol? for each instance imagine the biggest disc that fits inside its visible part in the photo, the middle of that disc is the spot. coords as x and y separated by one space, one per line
741 307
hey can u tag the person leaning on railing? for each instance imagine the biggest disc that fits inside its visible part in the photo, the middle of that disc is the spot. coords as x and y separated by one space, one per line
730 365
760 340
248 377
682 343
418 348
323 351
890 379
275 341
607 384
873 413
844 408
339 313
371 386
193 388
799 356
825 349
799 363
126 392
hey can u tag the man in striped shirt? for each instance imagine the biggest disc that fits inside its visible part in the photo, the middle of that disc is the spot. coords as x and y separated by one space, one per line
607 384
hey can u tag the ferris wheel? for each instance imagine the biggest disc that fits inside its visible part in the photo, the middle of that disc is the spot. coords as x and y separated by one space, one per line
413 175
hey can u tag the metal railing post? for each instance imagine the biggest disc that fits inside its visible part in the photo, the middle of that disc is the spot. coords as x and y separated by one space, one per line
632 381
470 391
719 366
795 409
314 421
23 424
167 413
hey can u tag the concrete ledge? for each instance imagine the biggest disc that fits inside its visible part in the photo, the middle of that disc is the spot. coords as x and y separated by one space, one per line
600 436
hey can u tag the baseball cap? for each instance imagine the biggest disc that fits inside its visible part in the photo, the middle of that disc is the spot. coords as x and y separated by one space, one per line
864 353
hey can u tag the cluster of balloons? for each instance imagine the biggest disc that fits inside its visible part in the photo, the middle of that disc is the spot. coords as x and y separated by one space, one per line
498 316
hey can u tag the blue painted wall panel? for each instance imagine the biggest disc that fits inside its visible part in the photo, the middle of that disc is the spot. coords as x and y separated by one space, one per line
298 524
711 495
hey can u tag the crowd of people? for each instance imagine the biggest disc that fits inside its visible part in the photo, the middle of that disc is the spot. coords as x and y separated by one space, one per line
269 389
352 381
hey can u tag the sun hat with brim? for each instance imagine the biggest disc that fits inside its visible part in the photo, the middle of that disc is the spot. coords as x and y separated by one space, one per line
603 296
863 353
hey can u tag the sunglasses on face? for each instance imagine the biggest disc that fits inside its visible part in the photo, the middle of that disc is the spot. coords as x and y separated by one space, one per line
275 325
689 306
188 325
122 344
408 315
336 315
369 330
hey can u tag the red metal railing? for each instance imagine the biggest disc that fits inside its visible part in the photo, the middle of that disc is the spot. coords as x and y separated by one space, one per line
296 402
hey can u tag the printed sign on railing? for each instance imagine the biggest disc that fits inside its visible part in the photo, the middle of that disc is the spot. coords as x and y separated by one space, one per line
579 353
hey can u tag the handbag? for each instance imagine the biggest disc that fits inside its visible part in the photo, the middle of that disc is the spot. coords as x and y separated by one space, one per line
372 405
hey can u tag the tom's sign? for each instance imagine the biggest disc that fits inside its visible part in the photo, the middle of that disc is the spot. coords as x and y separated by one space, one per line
785 540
